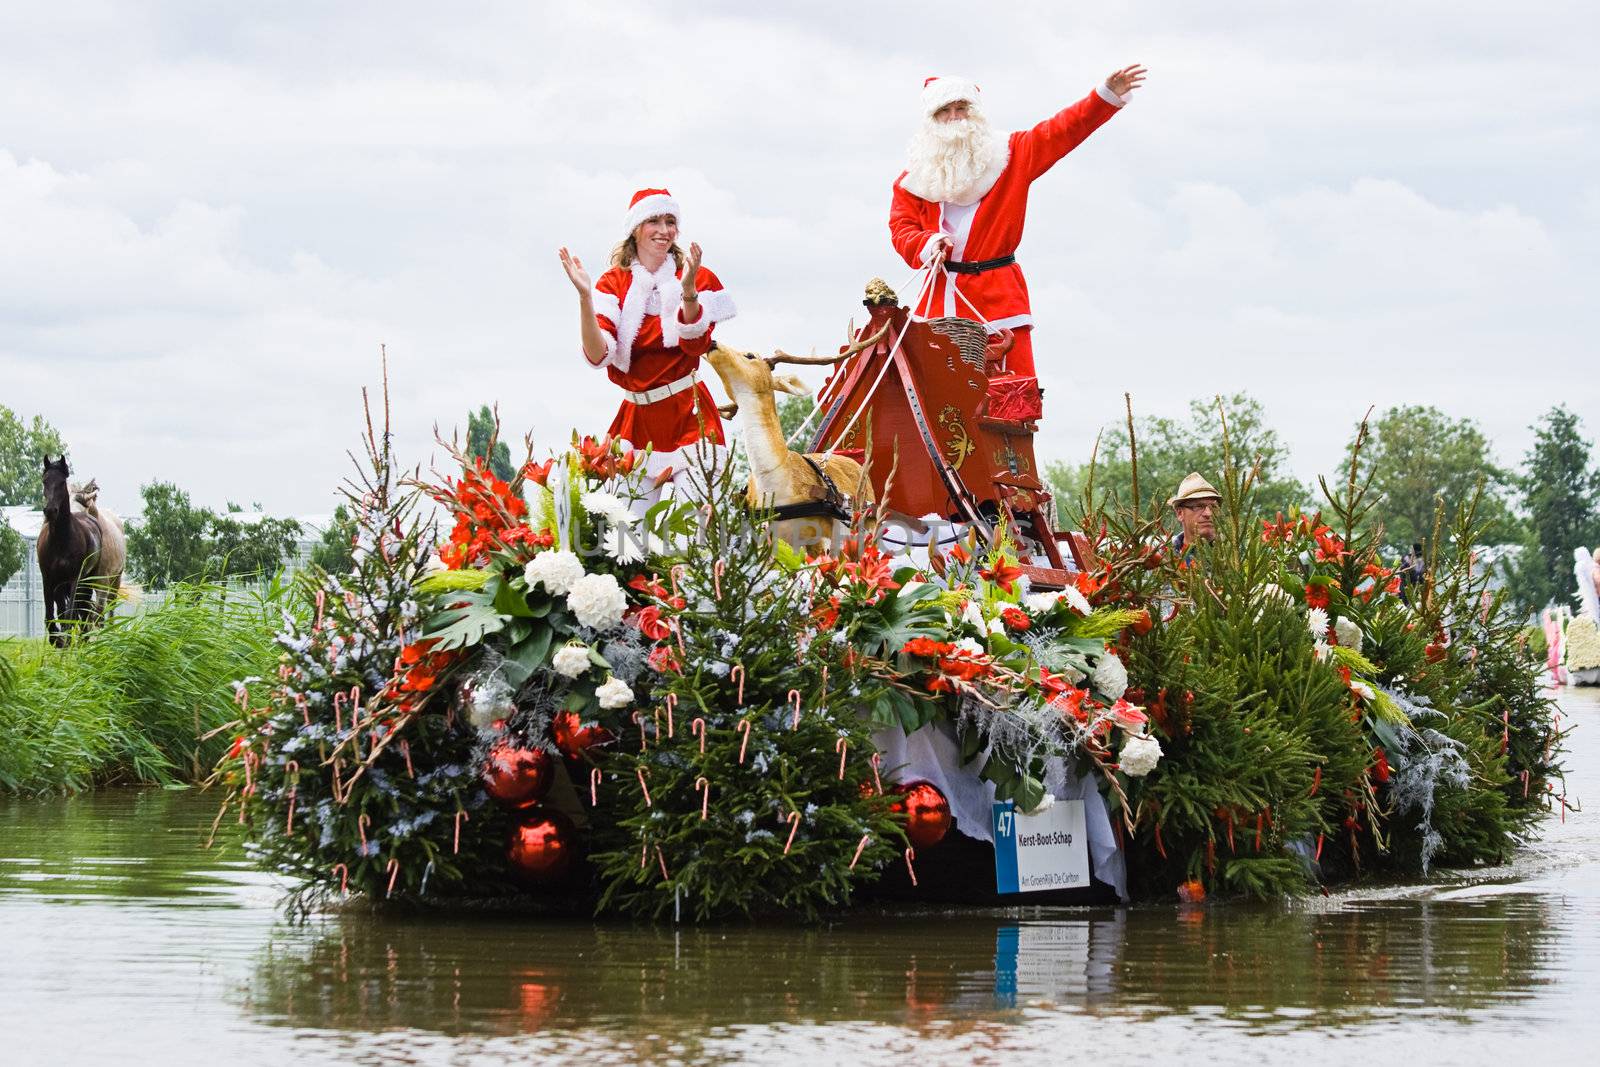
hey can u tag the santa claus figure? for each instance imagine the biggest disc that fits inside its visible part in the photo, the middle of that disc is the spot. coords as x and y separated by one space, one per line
647 321
961 202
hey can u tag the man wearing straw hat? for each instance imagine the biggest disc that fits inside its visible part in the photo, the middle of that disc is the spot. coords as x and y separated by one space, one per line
963 197
1195 504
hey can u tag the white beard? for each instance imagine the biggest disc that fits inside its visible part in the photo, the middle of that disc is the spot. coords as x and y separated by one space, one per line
955 162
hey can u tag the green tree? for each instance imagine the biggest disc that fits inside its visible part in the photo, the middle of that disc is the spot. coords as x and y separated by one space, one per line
482 429
334 552
792 412
22 450
1417 455
1561 498
1171 448
258 546
170 541
12 549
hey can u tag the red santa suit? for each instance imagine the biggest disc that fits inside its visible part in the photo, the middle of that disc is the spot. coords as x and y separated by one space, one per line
990 228
654 355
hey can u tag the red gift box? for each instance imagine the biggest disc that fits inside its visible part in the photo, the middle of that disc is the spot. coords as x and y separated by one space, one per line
1015 397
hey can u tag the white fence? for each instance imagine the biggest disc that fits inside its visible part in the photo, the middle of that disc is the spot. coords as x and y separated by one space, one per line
22 598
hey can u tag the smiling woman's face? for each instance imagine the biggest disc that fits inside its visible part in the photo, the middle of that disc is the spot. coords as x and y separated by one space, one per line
654 238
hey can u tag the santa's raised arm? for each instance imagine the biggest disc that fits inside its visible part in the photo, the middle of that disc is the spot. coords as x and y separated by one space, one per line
963 197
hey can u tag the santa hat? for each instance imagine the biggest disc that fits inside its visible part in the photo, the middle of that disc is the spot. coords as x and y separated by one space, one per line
937 92
647 204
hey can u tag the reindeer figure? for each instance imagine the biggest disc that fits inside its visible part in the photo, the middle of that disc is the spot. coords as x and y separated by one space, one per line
803 490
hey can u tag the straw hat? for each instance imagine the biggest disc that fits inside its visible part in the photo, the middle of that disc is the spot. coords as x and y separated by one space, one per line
1194 487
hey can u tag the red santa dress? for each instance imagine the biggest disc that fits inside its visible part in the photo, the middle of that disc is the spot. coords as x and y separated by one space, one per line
654 355
991 228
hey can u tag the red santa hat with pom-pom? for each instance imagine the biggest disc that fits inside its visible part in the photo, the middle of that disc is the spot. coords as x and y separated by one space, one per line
939 91
647 204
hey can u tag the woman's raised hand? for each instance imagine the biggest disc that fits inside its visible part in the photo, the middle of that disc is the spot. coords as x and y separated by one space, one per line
691 272
575 272
1126 80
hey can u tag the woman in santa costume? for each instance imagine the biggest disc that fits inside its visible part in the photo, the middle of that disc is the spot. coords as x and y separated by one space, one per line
964 194
647 321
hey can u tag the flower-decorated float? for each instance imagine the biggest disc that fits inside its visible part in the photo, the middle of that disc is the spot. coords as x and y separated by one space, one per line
573 702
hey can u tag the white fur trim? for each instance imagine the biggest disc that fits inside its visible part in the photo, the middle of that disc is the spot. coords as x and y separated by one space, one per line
649 208
942 91
642 284
611 352
1110 97
1010 322
688 331
717 305
607 305
929 245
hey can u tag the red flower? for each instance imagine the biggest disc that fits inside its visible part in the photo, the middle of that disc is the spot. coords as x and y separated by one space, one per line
1129 716
1002 574
1380 765
928 647
662 659
538 473
1317 596
1016 618
649 621
1052 683
959 554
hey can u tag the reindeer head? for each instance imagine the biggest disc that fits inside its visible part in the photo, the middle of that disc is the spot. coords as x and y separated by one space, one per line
749 378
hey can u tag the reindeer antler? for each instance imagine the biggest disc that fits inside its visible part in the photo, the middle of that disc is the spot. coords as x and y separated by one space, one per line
780 356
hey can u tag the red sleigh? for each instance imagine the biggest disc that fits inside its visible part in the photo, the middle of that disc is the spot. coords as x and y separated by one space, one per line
955 429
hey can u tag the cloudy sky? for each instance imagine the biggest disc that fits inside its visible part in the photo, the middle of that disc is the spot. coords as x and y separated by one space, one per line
212 215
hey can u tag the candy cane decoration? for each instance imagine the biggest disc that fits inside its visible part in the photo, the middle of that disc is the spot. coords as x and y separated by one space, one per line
860 847
248 759
291 768
344 879
394 872
337 787
699 727
640 720
665 877
794 698
704 785
1524 785
362 822
241 697
841 746
321 598
716 576
673 574
794 825
738 674
355 704
877 760
672 702
305 708
405 750
338 712
455 848
824 683
594 788
744 725
911 854
642 787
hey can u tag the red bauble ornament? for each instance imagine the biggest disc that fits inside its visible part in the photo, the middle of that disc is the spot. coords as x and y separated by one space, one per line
926 810
517 777
541 847
575 739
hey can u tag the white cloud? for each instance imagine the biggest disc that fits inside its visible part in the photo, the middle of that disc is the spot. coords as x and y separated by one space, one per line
214 218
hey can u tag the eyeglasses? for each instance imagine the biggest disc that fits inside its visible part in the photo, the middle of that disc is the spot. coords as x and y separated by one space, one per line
1201 505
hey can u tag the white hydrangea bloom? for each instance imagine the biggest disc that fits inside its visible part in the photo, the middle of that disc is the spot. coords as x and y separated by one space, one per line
571 661
1317 623
1348 632
555 570
1041 602
1076 600
997 625
972 615
1139 756
597 600
969 645
607 506
1110 677
614 693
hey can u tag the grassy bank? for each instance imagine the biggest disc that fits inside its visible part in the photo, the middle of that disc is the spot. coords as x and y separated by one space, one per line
131 703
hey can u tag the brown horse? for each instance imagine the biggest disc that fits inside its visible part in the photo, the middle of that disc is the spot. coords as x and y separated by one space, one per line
69 552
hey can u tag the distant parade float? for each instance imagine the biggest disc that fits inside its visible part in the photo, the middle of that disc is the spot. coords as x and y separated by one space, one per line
591 697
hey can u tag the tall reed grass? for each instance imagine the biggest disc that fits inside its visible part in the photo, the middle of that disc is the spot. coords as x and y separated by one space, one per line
132 702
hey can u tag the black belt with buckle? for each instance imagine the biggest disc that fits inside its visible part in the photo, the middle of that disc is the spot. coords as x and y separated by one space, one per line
955 266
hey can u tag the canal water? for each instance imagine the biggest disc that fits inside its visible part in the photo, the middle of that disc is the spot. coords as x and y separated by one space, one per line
124 942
